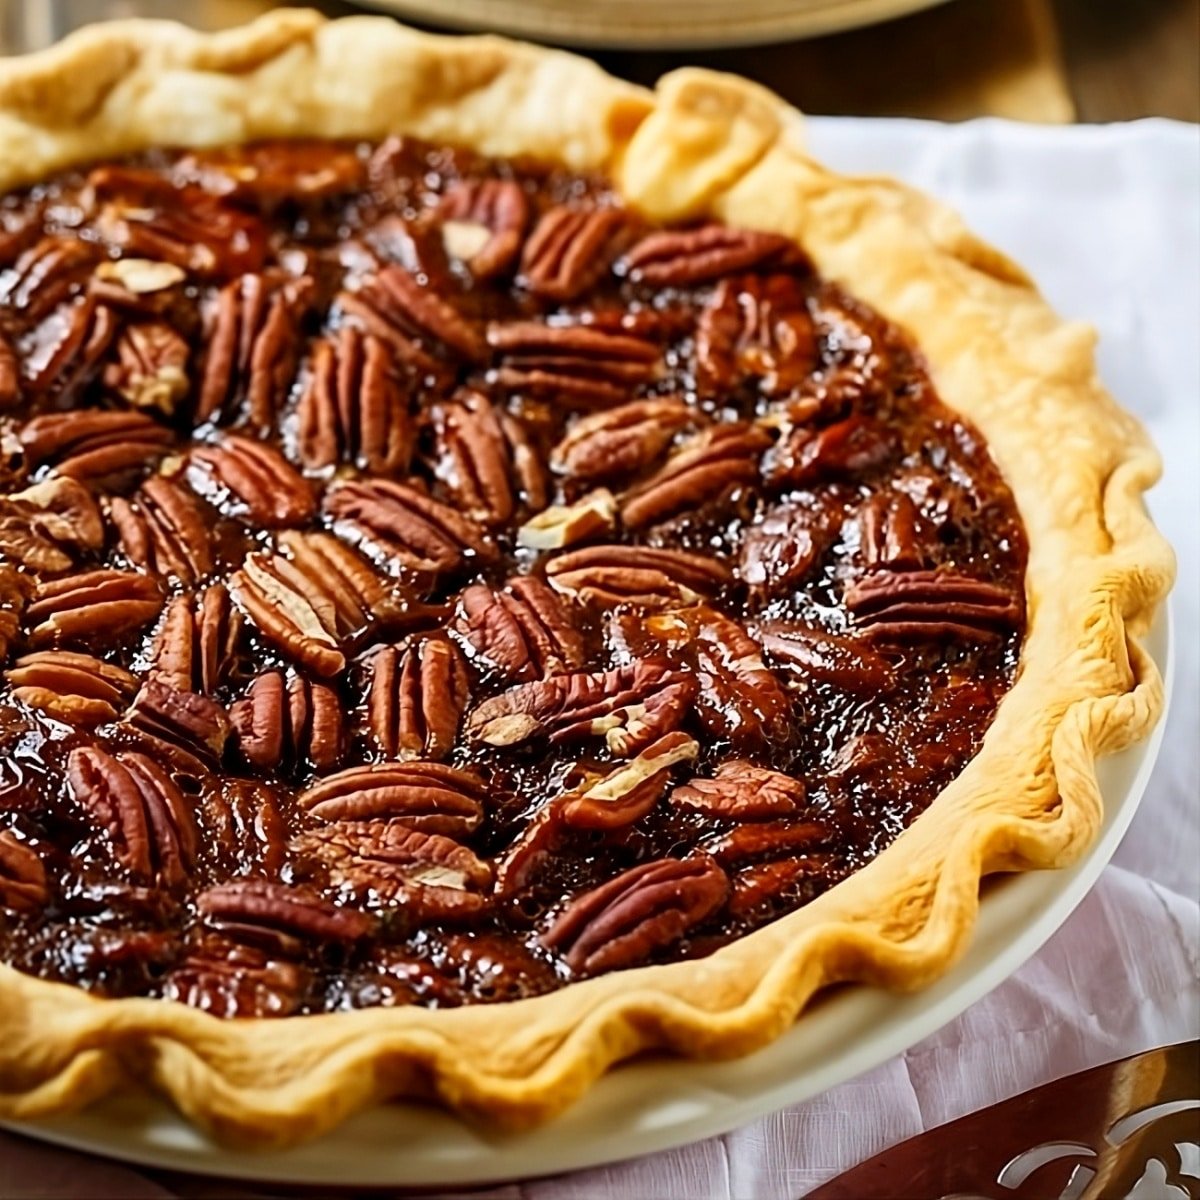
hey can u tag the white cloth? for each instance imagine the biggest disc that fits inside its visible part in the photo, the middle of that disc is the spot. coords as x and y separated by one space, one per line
1108 220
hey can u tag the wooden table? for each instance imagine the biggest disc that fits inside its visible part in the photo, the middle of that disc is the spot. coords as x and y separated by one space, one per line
1035 60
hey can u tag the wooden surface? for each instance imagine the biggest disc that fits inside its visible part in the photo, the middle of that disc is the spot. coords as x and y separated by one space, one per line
1035 60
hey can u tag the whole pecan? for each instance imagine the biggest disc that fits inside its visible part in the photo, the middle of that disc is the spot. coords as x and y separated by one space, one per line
905 606
46 274
42 525
741 791
523 631
197 644
94 446
71 687
187 729
266 490
354 406
622 922
150 366
705 468
570 249
427 796
811 653
628 706
149 824
682 257
291 921
253 349
756 327
576 366
413 319
847 449
230 980
621 441
432 877
417 533
486 461
891 533
627 793
93 606
566 524
416 698
15 590
483 223
23 883
608 576
782 547
163 530
289 722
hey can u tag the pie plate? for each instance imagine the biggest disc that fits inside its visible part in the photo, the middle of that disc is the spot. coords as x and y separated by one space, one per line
654 1103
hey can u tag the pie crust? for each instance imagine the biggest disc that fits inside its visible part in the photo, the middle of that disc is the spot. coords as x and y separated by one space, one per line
701 144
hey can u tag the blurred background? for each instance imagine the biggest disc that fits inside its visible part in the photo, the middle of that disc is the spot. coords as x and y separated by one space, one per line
1052 61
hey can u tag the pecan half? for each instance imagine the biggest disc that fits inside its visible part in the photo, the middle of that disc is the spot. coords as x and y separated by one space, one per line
847 449
164 531
921 605
629 792
622 922
289 722
150 826
486 461
891 532
423 795
413 318
576 366
75 688
682 257
42 524
522 631
10 375
845 662
94 606
94 446
483 223
570 249
782 547
243 827
432 877
23 883
275 173
279 919
608 576
253 349
565 524
15 590
196 646
740 791
354 407
628 706
189 729
757 840
265 489
230 980
69 348
416 698
702 470
150 368
756 327
764 889
412 530
621 441
46 274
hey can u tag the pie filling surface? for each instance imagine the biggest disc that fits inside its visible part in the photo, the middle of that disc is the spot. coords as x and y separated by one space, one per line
424 582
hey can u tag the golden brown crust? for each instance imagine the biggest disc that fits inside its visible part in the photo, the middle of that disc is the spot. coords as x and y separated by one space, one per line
703 143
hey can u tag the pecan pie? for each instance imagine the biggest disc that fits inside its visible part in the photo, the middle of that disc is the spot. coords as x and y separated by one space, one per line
494 548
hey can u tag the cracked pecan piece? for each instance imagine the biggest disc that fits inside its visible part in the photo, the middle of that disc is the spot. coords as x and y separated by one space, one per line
265 489
23 883
416 698
407 527
163 530
149 824
741 791
623 922
288 722
95 446
683 257
570 249
575 366
355 406
523 631
813 654
196 647
628 706
427 796
226 979
483 223
253 349
76 688
46 524
703 470
149 367
93 606
609 576
931 605
431 877
563 525
619 442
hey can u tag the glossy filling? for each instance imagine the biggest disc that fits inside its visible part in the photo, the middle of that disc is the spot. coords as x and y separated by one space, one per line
422 582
